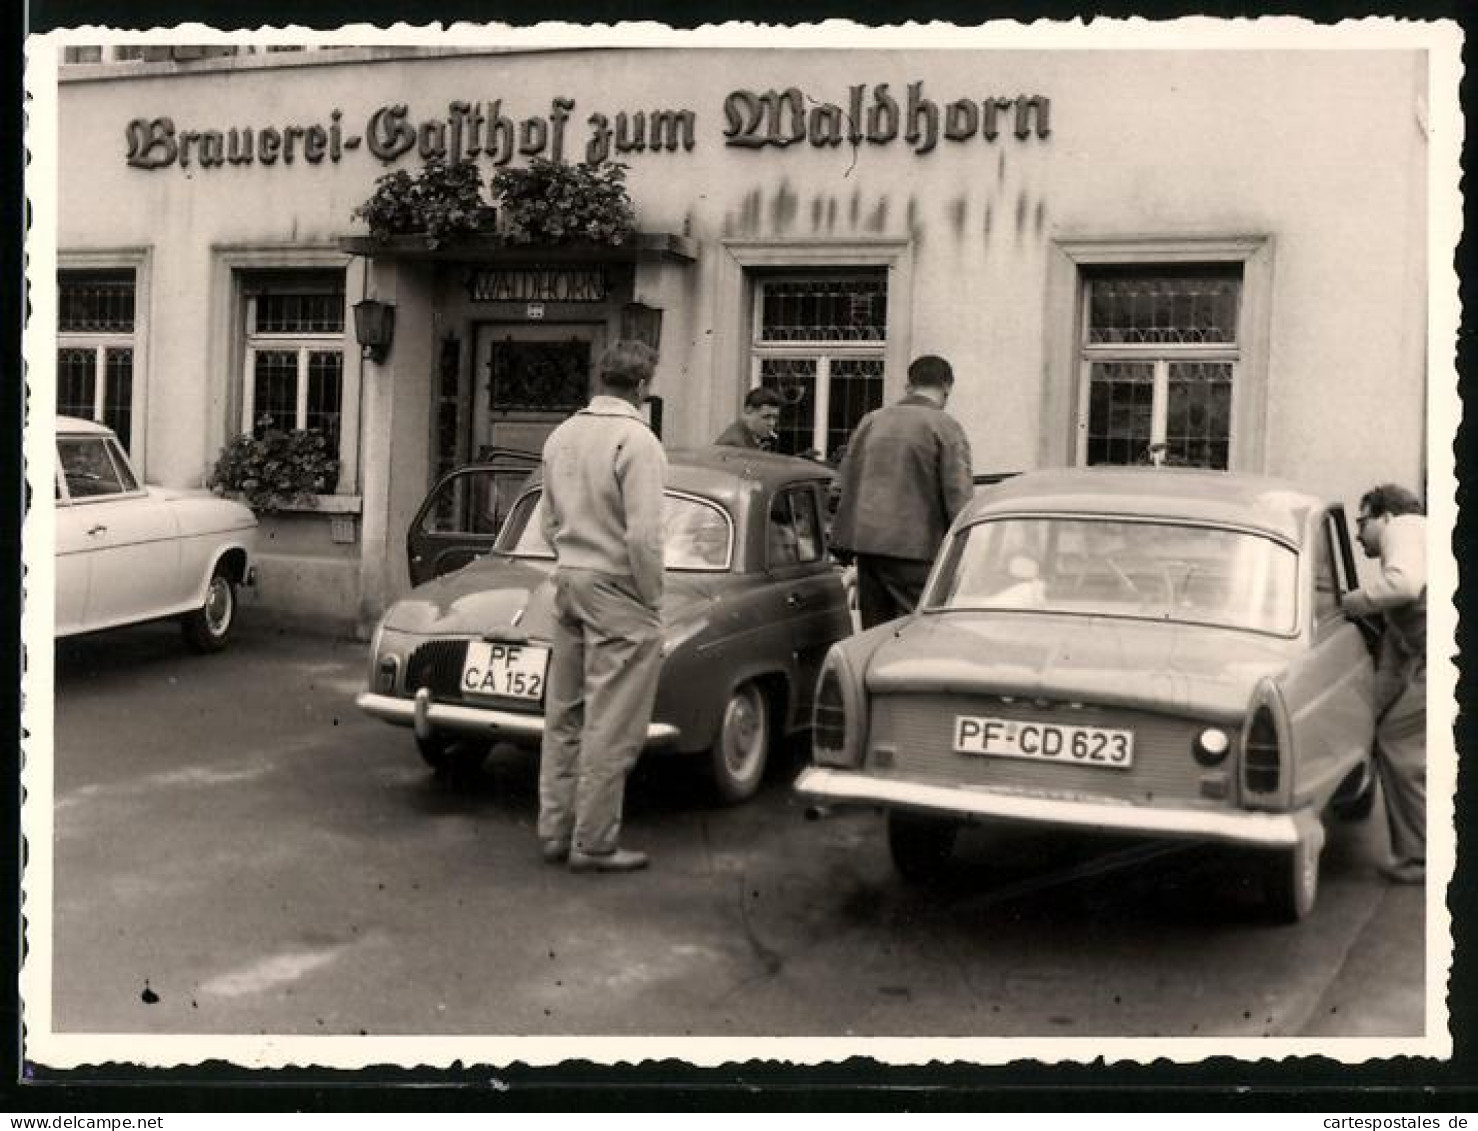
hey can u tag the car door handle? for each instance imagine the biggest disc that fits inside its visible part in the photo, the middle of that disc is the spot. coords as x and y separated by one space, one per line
797 600
98 529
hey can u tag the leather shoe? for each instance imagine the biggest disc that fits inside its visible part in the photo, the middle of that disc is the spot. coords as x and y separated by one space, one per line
556 851
621 860
1405 873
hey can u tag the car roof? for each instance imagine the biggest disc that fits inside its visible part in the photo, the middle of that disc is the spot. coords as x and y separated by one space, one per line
722 472
77 424
1219 497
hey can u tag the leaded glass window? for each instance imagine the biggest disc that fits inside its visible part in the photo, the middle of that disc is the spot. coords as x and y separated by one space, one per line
95 347
819 340
1160 353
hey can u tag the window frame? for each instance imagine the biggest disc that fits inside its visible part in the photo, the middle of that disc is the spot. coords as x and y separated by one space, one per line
101 342
822 353
737 349
1064 420
229 353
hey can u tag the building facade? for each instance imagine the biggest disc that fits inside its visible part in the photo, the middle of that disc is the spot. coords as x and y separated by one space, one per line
1213 257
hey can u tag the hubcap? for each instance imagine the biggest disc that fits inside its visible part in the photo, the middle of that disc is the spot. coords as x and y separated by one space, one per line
743 732
218 606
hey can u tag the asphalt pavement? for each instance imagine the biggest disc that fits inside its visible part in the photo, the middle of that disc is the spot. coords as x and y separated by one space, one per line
235 841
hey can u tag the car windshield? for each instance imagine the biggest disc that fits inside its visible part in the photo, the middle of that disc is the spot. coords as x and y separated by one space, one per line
1121 568
697 534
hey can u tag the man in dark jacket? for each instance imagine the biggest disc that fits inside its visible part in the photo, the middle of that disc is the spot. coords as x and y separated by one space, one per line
756 425
905 476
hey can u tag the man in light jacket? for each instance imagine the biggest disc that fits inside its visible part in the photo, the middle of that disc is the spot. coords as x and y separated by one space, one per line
603 498
1391 527
905 476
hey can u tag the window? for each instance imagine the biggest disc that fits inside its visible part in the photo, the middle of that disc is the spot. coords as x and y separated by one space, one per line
92 468
819 340
697 534
794 530
1159 357
294 365
95 347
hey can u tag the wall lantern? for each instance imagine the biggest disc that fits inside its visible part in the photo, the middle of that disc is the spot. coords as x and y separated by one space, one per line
374 327
642 323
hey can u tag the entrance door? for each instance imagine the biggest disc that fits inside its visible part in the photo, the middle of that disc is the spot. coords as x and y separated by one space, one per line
528 379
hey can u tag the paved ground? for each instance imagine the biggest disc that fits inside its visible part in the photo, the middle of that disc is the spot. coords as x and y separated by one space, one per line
239 851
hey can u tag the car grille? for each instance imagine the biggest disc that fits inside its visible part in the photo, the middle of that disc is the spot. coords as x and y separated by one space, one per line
437 666
919 732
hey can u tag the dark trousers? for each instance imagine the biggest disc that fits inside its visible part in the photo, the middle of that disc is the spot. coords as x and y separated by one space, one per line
888 587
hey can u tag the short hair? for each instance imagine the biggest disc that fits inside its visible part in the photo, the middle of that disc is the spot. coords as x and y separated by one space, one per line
762 397
931 372
1390 499
627 363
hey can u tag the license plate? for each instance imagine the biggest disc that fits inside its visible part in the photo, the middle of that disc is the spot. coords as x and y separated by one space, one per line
505 671
1044 742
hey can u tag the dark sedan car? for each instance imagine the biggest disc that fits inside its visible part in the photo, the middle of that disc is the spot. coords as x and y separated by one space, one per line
752 603
1148 651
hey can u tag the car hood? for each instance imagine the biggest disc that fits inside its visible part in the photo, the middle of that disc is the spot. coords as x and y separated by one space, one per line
492 591
199 511
1177 668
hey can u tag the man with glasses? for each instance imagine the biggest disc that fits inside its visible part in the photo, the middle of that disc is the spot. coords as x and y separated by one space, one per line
1392 527
756 425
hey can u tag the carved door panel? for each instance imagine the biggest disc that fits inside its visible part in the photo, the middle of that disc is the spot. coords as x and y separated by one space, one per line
528 379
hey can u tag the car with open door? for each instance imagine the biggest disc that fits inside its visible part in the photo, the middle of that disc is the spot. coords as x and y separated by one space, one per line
752 602
1152 652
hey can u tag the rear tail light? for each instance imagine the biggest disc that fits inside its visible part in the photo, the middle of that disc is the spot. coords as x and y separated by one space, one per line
1261 760
829 722
838 716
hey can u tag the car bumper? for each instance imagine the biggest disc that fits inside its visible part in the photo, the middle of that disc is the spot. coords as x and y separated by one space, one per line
427 718
1262 830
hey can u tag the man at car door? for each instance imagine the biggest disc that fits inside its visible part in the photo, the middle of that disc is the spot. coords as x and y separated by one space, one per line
603 501
1391 527
905 476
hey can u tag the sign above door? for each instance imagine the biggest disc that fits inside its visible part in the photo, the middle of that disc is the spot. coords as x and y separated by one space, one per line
538 285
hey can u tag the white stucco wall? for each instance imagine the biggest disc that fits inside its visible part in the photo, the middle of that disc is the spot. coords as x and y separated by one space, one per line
1321 152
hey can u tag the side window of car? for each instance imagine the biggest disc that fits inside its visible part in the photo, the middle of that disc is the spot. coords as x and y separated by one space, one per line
473 503
1326 582
121 464
794 529
89 470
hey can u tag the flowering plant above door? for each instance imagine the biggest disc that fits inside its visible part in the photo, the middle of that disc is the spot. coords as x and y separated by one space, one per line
550 202
441 203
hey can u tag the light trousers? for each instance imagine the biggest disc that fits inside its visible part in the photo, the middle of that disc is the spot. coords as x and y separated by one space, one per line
607 652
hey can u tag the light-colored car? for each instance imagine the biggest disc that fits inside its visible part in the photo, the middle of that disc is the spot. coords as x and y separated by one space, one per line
1143 651
127 553
752 602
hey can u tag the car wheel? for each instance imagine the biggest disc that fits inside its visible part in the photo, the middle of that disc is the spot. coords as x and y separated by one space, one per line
447 755
208 628
1355 798
1291 881
920 846
742 746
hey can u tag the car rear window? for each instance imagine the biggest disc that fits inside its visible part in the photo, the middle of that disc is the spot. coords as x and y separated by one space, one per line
1121 568
697 534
